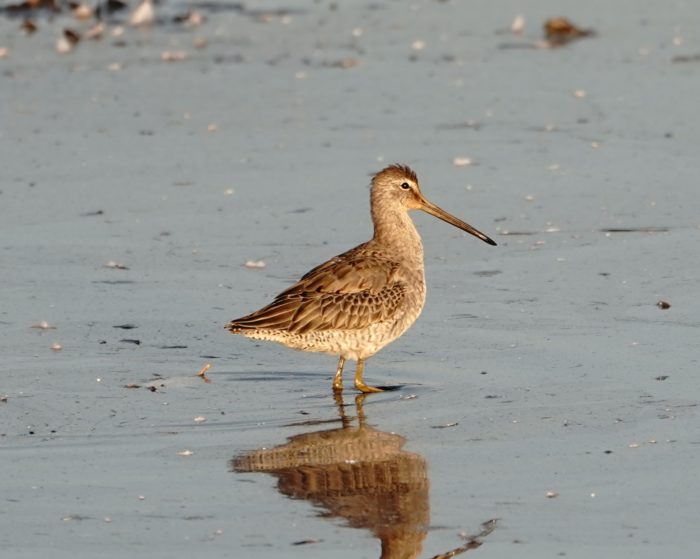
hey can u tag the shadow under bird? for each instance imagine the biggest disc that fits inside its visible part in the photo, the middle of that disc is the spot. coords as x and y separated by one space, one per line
359 301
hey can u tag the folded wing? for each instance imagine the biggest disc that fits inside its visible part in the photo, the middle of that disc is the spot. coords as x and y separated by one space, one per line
349 292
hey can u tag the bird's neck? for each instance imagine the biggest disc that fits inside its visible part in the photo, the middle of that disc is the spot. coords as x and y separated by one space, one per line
395 229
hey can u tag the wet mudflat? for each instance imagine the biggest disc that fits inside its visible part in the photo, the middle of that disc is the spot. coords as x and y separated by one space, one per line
161 180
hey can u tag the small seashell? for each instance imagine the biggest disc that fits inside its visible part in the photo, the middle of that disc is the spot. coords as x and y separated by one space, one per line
255 264
518 25
185 453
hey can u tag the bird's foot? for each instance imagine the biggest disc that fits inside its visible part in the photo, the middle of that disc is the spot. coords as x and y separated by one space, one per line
362 387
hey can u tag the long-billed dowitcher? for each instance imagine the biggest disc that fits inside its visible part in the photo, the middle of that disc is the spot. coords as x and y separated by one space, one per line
361 300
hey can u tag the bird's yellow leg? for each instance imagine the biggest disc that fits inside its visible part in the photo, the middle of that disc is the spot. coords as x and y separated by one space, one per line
361 386
338 379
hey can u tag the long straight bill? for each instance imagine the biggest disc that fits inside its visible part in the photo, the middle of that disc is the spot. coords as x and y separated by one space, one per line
434 210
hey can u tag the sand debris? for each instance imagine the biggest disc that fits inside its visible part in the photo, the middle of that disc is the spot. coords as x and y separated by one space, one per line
116 265
559 31
199 419
28 26
96 31
82 12
193 18
551 494
130 341
185 452
173 55
462 161
663 305
518 25
346 63
43 325
253 264
67 41
203 373
445 425
56 346
143 15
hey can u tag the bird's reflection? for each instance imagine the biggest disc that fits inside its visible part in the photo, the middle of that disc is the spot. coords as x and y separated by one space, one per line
357 473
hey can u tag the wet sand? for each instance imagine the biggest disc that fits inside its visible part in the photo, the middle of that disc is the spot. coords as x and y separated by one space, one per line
542 386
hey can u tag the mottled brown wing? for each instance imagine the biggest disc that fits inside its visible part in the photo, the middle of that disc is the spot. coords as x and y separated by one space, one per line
349 292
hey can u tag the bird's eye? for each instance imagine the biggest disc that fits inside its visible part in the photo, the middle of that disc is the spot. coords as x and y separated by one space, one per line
405 186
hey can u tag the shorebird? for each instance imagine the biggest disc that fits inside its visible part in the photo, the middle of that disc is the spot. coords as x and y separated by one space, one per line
359 301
